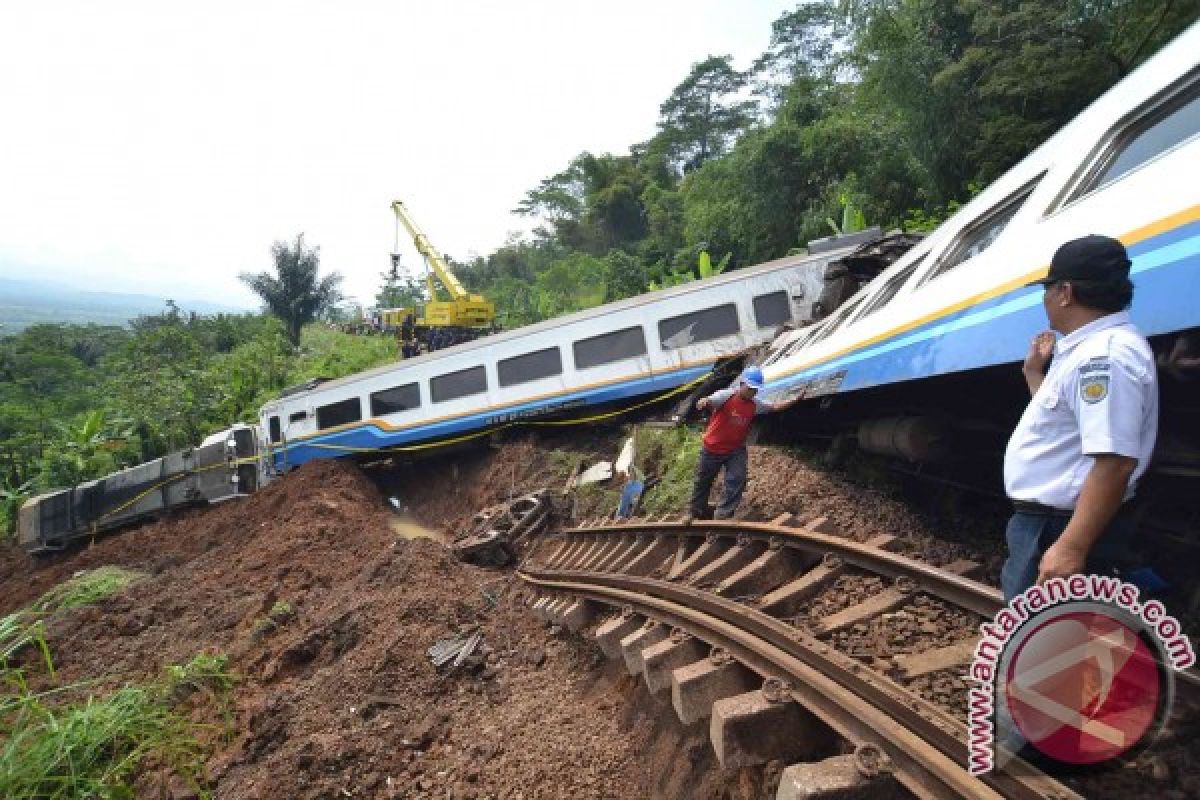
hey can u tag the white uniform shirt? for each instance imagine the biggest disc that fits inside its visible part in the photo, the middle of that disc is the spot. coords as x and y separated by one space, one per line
1099 396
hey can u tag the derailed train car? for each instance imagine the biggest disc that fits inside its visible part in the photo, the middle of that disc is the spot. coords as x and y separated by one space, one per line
223 466
915 363
605 357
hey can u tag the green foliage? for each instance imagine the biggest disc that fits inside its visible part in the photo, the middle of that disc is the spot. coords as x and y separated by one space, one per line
281 614
65 743
91 749
206 670
78 402
87 588
890 111
703 114
672 455
18 631
400 291
294 293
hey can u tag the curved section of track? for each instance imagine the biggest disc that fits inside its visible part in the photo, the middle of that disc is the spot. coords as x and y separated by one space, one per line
737 586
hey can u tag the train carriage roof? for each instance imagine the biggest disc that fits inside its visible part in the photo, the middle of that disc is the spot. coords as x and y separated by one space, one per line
557 322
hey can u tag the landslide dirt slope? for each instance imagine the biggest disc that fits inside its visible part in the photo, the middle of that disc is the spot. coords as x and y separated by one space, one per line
341 701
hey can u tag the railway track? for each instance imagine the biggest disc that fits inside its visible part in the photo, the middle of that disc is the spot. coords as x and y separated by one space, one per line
790 639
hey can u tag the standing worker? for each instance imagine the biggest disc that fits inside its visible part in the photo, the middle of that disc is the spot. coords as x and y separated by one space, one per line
1087 435
724 443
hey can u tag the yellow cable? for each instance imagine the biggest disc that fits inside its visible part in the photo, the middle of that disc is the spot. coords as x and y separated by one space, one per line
488 431
414 447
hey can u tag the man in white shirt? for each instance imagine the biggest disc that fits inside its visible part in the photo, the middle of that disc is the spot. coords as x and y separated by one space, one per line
1087 435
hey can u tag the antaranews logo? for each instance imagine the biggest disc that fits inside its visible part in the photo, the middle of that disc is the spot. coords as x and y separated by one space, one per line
1078 668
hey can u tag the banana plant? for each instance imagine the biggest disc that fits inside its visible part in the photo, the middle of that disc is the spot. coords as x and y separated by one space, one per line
704 267
853 219
12 496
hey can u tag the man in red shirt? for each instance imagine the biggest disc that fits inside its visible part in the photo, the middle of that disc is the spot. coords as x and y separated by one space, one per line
724 443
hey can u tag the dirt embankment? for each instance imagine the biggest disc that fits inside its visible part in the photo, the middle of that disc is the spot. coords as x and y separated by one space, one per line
341 701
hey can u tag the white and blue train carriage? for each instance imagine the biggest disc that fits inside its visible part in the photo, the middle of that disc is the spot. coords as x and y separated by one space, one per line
599 357
926 335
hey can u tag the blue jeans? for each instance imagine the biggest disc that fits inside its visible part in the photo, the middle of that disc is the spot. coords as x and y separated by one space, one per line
1029 535
735 464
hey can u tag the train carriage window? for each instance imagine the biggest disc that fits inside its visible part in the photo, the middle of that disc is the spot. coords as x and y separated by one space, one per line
461 383
342 412
297 416
771 310
610 347
891 287
698 326
395 400
1168 124
530 367
275 431
979 235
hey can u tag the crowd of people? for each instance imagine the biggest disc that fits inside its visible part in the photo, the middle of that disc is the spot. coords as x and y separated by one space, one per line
411 339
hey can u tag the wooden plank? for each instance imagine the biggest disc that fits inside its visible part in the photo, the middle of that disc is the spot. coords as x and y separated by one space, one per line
881 541
873 606
787 598
952 655
965 567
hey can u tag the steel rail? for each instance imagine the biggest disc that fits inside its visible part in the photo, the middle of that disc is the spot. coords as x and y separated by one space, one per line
963 592
922 767
960 591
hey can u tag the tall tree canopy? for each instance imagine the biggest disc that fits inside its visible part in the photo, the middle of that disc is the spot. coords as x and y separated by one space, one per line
901 108
703 115
295 294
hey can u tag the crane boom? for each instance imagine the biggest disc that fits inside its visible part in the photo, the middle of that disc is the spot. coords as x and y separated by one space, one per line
462 310
427 251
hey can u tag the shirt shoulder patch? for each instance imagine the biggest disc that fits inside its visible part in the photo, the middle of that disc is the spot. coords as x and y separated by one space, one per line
1095 365
1093 386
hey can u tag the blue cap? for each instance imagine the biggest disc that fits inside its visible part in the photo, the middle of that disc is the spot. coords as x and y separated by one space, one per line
753 377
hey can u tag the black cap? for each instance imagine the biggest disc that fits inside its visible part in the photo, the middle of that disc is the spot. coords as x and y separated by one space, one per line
1096 259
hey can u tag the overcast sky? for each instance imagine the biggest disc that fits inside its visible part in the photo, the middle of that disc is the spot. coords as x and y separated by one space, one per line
161 147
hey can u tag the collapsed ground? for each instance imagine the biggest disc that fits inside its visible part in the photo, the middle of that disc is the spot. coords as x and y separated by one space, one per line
324 605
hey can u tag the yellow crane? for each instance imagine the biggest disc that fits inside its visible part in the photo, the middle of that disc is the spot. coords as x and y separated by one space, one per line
463 309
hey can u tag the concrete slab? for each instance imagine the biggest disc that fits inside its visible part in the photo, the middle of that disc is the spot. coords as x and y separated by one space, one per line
578 615
768 571
695 687
660 660
636 642
836 778
749 729
611 632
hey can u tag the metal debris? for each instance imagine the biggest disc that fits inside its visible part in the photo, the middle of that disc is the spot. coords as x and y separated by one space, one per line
600 471
497 534
454 650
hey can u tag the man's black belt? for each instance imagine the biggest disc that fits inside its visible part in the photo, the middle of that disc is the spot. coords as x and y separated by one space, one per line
1030 507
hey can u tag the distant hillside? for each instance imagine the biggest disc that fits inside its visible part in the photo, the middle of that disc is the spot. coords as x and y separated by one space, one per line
24 303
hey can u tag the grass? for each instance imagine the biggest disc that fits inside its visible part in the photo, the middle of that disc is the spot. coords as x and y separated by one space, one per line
671 454
668 454
91 748
281 614
66 742
87 588
207 670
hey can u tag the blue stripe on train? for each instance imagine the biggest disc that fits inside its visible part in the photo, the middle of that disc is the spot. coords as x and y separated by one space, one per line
997 331
370 436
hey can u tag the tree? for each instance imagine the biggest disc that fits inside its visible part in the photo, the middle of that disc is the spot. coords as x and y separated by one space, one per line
702 116
399 291
805 44
294 293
